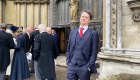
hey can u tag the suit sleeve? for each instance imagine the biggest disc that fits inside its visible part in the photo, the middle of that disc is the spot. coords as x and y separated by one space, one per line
94 49
36 47
55 49
68 50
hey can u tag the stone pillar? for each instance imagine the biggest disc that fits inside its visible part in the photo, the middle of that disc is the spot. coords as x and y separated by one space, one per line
52 17
39 13
36 14
107 24
119 24
18 14
32 15
44 13
25 15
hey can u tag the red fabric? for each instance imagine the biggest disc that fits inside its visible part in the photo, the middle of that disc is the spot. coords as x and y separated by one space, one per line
81 32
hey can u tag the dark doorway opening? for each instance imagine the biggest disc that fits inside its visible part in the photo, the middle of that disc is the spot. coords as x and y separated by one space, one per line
63 35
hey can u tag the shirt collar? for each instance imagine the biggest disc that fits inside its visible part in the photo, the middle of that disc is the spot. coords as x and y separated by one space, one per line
85 28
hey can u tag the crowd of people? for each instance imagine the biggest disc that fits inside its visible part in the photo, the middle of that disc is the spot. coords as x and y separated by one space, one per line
15 43
41 41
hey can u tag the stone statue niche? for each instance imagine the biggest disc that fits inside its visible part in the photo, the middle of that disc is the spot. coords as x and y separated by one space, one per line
73 10
134 5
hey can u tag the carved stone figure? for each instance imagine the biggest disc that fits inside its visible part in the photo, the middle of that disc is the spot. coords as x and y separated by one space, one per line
73 10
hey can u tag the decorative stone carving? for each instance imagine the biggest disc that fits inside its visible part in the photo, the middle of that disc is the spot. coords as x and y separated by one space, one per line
73 10
135 7
113 24
31 1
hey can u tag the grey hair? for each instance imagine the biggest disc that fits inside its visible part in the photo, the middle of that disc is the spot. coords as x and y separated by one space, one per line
3 26
42 27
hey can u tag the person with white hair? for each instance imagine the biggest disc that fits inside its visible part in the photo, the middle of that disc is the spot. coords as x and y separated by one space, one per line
45 52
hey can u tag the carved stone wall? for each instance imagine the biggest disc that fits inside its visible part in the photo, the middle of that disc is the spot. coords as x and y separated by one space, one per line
120 58
113 29
62 13
26 12
131 24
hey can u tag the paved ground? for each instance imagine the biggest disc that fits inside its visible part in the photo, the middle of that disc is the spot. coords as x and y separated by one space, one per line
61 74
61 69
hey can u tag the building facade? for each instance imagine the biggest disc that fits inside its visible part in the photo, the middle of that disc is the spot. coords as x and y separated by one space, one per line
61 15
117 21
120 54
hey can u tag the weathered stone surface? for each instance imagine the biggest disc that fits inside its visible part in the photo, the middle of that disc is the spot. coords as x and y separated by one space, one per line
127 20
123 77
126 11
131 42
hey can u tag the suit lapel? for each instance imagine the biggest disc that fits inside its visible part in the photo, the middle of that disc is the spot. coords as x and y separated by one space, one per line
74 35
85 37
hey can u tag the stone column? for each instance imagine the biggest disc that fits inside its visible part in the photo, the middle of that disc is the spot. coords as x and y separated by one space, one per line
52 12
44 13
119 24
25 14
39 13
107 45
18 14
32 15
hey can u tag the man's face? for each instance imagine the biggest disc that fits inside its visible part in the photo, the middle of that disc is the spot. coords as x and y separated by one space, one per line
30 29
49 30
84 18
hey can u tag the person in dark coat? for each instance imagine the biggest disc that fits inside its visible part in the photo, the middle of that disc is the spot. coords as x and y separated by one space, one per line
44 53
6 43
27 35
55 35
82 50
33 34
20 68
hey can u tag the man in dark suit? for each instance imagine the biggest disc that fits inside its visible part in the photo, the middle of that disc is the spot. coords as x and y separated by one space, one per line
27 35
33 34
82 50
6 43
44 53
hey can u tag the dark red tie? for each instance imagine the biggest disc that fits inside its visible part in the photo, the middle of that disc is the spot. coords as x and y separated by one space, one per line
81 32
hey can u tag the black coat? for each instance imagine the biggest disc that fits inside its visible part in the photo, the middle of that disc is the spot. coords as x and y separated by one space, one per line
33 34
6 43
28 42
44 52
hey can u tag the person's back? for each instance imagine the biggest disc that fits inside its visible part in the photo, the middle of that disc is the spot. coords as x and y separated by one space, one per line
46 38
44 54
6 43
5 46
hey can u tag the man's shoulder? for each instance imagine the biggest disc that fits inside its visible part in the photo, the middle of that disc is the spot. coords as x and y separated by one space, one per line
8 34
75 29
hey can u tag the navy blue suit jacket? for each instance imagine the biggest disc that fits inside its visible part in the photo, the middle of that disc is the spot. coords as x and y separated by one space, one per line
89 47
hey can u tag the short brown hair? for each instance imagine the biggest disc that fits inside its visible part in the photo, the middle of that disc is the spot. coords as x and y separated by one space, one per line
87 11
